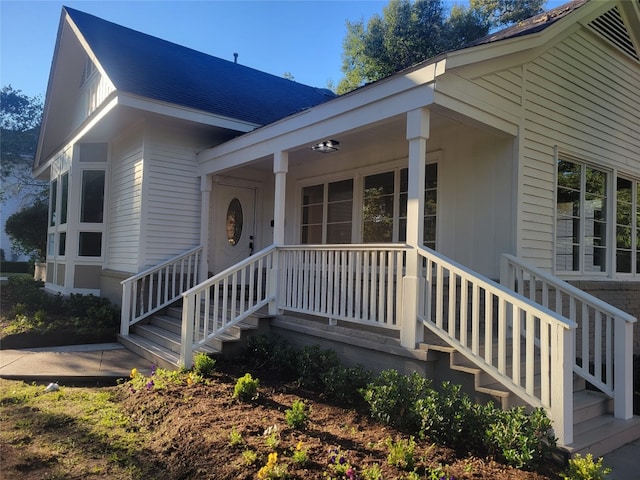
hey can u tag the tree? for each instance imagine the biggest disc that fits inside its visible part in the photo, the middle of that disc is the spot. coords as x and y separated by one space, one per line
409 32
28 230
20 118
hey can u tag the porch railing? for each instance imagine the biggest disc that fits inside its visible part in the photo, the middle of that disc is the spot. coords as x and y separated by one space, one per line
357 283
604 335
224 300
478 317
158 287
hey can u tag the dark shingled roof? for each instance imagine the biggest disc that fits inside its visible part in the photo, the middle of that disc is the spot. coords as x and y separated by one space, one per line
531 25
154 68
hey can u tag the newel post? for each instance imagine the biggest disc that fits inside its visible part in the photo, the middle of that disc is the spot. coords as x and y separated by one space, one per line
623 369
125 311
205 205
562 355
418 121
280 169
186 347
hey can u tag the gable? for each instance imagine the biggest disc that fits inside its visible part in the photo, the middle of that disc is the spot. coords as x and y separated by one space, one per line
156 69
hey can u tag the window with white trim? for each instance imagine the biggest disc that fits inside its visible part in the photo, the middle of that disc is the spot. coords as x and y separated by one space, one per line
327 211
581 218
627 226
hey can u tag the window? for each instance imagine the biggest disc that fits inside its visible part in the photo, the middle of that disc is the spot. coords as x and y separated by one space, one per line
54 203
92 200
382 192
627 226
90 244
377 209
64 198
327 212
581 218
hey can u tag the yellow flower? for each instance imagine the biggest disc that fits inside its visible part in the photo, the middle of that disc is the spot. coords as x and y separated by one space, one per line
134 372
299 446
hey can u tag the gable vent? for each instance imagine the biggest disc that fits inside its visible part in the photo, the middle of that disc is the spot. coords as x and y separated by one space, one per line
611 26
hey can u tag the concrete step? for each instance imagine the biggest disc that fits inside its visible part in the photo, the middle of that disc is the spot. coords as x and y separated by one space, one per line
588 404
159 336
160 356
601 435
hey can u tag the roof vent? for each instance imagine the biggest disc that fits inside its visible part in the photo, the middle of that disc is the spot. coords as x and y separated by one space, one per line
611 26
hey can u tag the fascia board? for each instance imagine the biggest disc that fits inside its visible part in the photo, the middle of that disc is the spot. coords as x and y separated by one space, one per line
521 45
183 113
85 128
310 126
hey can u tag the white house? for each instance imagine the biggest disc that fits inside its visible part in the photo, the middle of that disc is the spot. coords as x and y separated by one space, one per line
380 221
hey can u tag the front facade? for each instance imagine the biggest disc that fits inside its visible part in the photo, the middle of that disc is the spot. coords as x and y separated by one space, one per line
525 144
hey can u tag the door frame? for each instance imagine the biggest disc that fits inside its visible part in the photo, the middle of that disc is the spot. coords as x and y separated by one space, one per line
216 212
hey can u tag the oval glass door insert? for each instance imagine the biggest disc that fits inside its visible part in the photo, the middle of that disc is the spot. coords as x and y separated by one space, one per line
234 222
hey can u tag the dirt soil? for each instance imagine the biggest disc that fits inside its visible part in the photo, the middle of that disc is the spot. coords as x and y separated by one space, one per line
191 426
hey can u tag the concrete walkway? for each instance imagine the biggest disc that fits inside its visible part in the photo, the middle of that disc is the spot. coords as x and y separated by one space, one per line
102 363
105 363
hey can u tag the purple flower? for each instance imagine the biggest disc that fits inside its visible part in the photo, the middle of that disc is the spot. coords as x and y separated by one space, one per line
351 473
150 384
342 461
153 369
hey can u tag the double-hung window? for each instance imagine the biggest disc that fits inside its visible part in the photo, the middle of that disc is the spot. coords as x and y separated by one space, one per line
327 211
627 226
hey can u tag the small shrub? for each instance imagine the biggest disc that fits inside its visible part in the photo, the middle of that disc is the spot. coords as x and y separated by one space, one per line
203 364
271 353
249 457
584 468
519 439
401 453
246 388
392 399
344 384
311 364
235 438
339 465
372 472
300 454
298 415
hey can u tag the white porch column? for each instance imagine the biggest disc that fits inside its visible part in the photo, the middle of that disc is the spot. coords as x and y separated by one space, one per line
417 134
205 214
280 169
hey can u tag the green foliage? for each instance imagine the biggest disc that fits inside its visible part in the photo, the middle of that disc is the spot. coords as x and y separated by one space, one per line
27 229
203 364
235 438
311 364
300 455
519 439
32 309
409 32
450 417
584 468
401 453
343 384
298 415
246 388
372 472
271 353
393 398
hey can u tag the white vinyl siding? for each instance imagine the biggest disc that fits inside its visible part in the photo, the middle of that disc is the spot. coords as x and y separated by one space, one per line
172 203
578 98
123 239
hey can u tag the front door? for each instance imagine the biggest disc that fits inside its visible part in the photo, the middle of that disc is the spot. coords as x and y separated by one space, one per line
233 222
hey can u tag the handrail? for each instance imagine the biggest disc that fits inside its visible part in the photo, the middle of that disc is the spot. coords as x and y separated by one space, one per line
158 287
604 337
222 301
519 343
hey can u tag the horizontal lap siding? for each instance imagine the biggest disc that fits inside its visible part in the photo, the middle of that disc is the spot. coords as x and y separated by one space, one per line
123 237
581 97
172 215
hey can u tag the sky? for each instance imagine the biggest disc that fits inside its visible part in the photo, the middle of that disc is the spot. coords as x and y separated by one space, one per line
300 37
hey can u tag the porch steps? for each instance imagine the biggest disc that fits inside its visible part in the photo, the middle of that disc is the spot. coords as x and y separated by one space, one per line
158 339
596 431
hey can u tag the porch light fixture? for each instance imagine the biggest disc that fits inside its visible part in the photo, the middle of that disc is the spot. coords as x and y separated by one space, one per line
327 146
